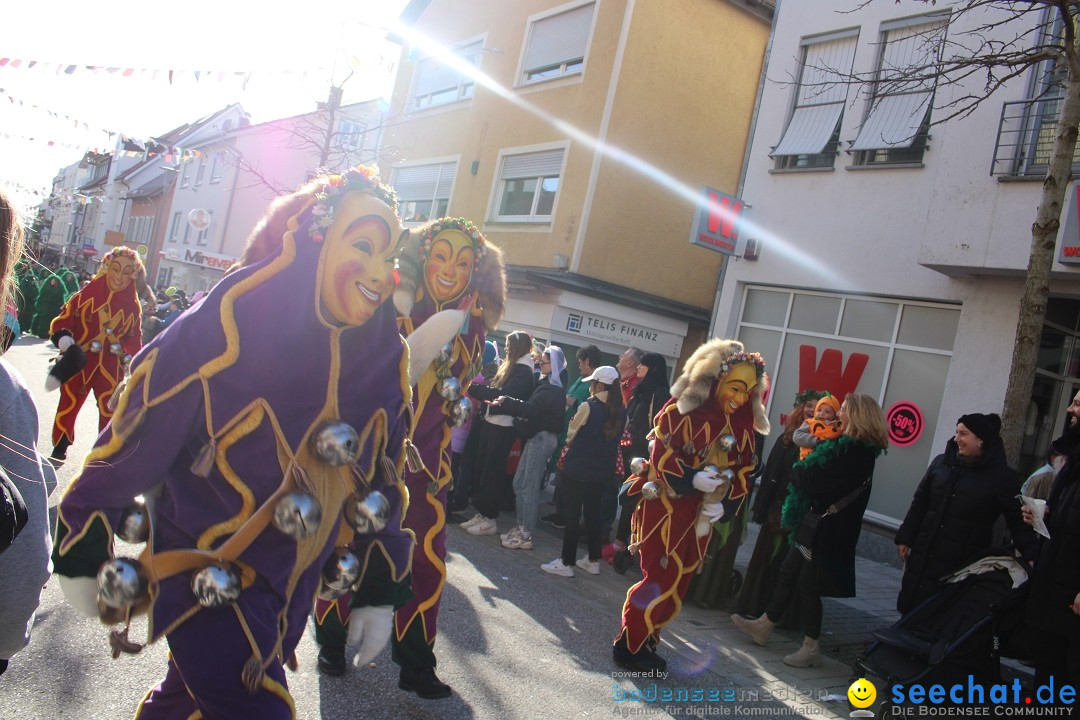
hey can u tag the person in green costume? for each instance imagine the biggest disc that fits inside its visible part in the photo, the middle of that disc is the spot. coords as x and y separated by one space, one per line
51 297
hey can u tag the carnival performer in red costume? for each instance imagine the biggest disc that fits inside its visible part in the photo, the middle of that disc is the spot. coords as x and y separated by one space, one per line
447 268
104 320
701 455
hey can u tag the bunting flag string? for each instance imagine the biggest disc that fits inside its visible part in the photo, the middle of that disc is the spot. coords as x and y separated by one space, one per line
52 68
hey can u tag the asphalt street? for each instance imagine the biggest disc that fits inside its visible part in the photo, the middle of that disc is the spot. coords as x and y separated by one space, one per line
513 642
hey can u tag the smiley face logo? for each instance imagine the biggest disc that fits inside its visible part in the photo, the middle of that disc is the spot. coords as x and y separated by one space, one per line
862 693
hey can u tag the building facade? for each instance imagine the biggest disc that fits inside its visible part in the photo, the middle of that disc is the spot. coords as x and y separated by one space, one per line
892 250
576 136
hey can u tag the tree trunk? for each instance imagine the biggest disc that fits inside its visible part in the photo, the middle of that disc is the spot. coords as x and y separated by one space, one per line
1037 282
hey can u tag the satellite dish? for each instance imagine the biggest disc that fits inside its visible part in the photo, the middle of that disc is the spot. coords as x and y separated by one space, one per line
199 219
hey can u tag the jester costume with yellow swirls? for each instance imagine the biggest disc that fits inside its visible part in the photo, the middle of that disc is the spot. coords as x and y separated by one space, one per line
215 428
718 394
105 320
446 264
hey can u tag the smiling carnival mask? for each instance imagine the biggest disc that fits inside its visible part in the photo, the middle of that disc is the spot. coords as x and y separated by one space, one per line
450 265
357 267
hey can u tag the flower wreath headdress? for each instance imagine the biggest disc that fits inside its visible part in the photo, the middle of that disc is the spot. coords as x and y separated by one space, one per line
807 395
732 359
362 178
430 232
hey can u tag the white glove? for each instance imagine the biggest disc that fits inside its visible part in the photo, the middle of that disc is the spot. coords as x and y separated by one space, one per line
65 342
706 482
369 627
712 511
81 593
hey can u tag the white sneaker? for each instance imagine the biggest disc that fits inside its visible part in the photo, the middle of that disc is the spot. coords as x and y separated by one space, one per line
590 566
556 567
515 532
486 526
521 540
471 521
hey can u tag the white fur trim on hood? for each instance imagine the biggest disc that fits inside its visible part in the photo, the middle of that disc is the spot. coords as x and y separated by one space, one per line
694 386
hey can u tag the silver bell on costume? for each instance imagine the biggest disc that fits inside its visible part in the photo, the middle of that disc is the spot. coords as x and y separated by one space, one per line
728 442
134 526
297 515
95 346
367 513
727 476
460 411
450 389
711 469
121 582
341 570
650 490
116 349
446 352
216 585
639 465
335 443
126 360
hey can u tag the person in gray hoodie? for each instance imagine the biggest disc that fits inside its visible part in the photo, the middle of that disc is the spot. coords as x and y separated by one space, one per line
25 565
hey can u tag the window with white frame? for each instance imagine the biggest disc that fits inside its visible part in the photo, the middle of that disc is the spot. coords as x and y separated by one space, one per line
424 190
201 172
215 168
897 124
187 233
174 227
350 135
528 183
438 82
557 44
139 229
812 136
185 173
203 235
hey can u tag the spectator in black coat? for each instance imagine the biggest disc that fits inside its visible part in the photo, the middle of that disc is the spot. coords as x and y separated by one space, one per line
951 519
1054 599
514 379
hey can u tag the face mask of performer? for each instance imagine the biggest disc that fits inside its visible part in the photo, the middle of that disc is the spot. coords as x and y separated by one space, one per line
449 266
120 273
734 390
358 259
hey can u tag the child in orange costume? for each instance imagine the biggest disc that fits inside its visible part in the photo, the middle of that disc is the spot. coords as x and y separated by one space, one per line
105 320
823 426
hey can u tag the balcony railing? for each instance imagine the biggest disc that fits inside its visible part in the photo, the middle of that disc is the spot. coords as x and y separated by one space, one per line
1025 139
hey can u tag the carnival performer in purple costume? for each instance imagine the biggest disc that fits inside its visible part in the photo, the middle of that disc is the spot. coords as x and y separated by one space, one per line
447 269
266 430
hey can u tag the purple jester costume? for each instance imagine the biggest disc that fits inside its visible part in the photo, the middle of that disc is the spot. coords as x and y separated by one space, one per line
259 423
446 265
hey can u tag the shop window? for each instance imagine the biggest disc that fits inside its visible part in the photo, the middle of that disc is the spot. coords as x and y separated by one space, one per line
929 327
766 307
815 313
557 44
869 320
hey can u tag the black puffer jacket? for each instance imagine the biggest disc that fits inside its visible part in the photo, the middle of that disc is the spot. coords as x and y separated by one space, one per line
1057 573
951 519
640 412
542 411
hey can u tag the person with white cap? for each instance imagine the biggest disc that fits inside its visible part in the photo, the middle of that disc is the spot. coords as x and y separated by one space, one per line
588 467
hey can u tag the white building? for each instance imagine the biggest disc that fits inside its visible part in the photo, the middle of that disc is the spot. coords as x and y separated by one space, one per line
892 251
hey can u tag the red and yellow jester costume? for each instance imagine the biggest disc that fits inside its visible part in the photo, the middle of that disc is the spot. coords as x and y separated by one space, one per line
104 319
715 403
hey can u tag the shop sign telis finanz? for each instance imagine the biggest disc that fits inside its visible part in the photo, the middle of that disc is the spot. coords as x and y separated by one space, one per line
617 332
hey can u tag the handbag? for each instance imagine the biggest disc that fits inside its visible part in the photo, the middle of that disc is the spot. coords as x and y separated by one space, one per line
807 531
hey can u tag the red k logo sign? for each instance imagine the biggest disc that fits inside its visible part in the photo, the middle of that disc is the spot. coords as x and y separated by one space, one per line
830 374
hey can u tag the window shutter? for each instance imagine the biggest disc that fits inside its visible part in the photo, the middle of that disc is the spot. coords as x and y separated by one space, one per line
559 38
821 98
424 182
433 75
531 165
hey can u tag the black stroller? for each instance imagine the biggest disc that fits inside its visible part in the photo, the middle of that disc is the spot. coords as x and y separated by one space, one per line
963 630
